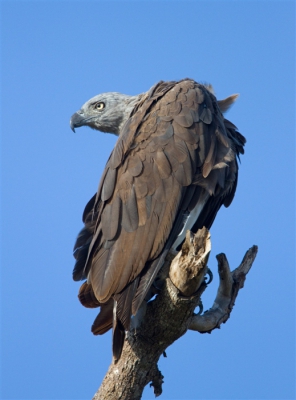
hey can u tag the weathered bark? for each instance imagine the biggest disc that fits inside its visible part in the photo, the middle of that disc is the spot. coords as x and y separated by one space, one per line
230 284
171 314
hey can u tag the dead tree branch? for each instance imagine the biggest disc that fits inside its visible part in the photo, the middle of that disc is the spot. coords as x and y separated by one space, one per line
230 284
171 314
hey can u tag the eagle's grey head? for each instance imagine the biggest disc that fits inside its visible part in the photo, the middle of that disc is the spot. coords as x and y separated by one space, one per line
106 112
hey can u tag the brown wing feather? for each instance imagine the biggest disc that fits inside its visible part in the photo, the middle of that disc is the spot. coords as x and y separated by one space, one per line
87 297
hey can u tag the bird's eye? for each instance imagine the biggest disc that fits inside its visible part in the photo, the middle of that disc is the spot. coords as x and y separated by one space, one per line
100 105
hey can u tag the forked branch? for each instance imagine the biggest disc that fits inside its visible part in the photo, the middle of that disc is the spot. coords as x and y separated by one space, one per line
229 286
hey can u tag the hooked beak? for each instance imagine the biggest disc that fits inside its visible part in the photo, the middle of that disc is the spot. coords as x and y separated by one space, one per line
77 120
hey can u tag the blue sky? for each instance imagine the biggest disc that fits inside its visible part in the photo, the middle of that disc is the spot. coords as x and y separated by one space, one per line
55 56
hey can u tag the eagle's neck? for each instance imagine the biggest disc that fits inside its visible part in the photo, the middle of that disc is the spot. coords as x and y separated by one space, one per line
129 105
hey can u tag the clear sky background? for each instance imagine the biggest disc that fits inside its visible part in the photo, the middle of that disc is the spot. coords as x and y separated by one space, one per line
55 56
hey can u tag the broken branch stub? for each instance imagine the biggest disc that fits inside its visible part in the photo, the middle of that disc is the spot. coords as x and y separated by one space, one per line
189 267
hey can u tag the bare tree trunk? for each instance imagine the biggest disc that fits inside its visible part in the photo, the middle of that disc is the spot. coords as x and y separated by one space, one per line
171 314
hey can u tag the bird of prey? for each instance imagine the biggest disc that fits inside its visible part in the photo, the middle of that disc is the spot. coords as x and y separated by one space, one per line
172 168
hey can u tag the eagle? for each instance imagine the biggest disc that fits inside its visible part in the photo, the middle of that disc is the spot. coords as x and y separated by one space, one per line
174 165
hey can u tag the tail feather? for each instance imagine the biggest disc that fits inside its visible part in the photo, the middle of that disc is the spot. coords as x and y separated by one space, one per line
118 336
104 320
124 302
146 280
